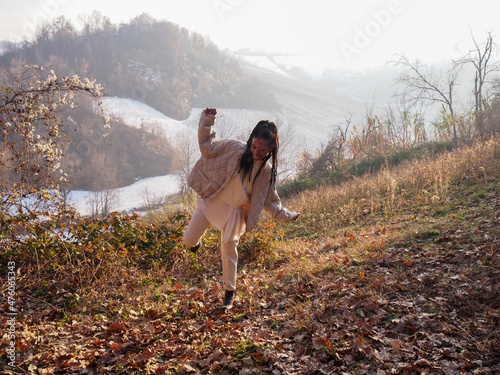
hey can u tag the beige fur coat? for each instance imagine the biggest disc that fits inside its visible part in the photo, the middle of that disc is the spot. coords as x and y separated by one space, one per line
219 162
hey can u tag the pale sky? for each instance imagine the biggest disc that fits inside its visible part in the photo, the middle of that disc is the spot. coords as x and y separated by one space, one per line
355 33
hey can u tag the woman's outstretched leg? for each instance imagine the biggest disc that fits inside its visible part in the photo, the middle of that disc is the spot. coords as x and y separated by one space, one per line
195 229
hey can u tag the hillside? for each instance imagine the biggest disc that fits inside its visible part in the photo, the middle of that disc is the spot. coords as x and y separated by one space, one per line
310 110
394 273
154 61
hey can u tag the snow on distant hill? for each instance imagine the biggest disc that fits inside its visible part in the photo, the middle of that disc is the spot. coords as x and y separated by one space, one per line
264 63
311 110
363 85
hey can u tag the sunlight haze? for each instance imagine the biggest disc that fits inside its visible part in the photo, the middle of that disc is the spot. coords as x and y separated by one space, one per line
317 33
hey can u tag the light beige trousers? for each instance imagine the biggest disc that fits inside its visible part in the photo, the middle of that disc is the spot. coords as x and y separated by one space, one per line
231 229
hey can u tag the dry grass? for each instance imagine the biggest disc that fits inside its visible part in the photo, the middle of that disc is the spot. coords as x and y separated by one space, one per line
420 184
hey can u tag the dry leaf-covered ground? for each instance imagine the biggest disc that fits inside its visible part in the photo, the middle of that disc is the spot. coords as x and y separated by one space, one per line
412 293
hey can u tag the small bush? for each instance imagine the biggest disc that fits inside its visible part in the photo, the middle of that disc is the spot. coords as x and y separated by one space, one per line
260 244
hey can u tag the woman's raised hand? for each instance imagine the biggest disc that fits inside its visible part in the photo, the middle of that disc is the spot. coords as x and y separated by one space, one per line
208 117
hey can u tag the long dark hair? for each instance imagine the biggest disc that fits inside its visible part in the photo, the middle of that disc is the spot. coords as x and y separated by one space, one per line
268 132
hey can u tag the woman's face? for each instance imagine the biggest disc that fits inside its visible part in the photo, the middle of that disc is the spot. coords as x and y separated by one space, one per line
260 149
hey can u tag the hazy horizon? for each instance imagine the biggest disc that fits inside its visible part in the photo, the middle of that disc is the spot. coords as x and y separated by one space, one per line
319 34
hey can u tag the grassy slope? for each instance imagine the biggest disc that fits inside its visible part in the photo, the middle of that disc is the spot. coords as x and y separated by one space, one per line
395 273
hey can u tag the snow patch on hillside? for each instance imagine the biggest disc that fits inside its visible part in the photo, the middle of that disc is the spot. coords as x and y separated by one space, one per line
126 199
138 114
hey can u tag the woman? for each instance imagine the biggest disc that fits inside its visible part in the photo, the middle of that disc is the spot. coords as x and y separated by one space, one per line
235 182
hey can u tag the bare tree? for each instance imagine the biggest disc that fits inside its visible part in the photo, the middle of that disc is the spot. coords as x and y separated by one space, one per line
151 200
481 58
188 153
43 32
102 203
406 124
287 153
94 23
424 84
331 156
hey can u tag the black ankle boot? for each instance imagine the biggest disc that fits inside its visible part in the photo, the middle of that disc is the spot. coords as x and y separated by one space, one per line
228 300
194 249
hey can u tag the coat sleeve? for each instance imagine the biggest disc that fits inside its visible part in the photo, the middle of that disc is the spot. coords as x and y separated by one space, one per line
206 135
275 209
